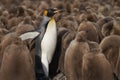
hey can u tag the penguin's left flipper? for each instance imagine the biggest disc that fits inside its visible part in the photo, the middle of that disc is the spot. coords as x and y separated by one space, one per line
29 35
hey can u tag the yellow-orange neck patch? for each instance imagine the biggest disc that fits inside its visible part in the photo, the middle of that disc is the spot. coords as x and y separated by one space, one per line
51 23
52 20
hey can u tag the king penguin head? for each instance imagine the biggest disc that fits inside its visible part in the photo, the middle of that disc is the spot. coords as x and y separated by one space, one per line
50 12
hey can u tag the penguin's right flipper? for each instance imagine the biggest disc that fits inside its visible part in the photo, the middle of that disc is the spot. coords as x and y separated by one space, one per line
39 72
29 35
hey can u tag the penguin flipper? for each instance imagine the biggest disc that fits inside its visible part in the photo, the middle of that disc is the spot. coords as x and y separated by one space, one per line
29 35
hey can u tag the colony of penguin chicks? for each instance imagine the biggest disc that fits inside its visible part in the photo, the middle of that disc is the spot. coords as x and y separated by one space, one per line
88 45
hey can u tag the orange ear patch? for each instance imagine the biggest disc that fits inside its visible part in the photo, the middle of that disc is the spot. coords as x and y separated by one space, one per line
45 12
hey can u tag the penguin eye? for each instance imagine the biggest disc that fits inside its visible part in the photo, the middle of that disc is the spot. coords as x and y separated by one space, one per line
50 12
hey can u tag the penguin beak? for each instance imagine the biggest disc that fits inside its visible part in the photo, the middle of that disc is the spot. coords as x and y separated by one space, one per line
57 11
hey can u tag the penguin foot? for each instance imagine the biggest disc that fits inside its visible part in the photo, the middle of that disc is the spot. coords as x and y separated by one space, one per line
43 78
115 77
39 74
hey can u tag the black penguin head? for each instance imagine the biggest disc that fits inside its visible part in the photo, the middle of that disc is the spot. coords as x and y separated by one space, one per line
50 12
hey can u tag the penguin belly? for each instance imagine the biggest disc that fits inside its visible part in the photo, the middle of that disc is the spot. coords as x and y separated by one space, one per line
48 45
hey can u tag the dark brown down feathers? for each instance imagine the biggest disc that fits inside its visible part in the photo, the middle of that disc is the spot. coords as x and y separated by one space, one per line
73 57
90 27
110 47
95 66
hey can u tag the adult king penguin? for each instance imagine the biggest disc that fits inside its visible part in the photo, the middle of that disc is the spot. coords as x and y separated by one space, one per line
45 43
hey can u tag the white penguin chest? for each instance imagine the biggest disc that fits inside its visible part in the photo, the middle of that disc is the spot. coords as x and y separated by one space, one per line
48 43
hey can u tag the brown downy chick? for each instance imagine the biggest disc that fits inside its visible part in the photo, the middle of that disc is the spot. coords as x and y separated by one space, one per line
73 56
110 48
17 63
90 28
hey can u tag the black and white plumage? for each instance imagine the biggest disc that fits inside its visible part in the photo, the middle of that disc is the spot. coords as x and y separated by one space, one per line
46 40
